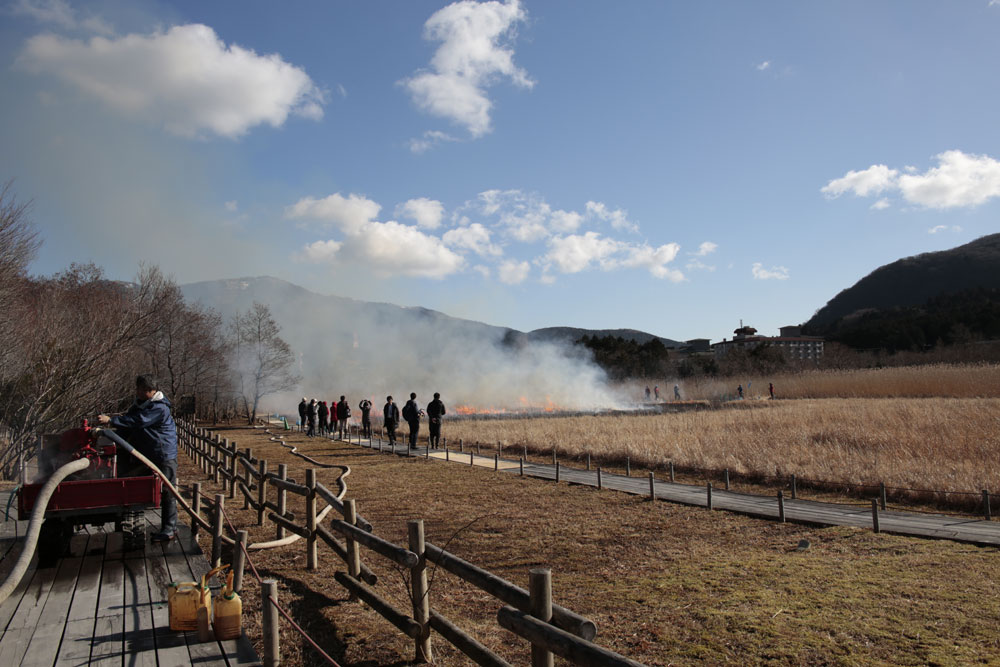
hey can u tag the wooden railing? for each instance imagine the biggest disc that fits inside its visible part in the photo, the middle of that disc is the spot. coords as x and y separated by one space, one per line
530 614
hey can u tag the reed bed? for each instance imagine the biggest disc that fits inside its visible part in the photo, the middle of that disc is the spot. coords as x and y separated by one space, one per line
944 444
939 380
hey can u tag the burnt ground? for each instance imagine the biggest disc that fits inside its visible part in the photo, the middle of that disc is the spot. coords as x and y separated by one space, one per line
666 584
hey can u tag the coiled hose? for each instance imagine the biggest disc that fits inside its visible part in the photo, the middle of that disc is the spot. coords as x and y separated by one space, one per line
35 525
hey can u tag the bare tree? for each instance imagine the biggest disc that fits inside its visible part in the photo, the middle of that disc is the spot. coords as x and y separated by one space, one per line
264 361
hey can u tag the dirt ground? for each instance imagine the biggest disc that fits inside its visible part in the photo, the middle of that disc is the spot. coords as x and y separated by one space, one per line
665 584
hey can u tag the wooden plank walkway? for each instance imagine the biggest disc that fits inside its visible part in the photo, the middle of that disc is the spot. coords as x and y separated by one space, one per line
938 526
102 606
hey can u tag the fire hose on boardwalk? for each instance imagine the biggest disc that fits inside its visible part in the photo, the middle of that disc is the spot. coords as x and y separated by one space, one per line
79 465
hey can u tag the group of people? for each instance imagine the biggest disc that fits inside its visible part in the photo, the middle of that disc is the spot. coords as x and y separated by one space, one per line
656 392
318 419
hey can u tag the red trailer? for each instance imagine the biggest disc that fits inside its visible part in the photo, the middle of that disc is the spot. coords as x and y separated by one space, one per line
95 496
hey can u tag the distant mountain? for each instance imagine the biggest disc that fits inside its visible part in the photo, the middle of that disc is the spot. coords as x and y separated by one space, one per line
913 280
572 334
951 296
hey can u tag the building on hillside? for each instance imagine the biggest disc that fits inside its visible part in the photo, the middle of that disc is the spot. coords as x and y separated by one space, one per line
790 340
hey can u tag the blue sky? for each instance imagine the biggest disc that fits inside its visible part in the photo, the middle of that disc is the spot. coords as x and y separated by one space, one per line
667 166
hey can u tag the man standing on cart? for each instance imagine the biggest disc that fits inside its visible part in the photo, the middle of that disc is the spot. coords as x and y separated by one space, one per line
149 427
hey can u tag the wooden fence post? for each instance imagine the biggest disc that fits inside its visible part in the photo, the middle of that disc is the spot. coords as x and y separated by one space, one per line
311 563
521 466
781 506
882 494
233 467
652 488
472 458
557 472
269 613
261 491
279 531
628 467
418 585
540 592
353 554
599 481
986 505
795 491
588 460
239 559
727 479
672 478
708 490
217 524
875 525
216 457
496 462
196 506
249 479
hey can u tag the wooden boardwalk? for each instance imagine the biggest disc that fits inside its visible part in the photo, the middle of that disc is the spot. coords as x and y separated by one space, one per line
102 606
939 526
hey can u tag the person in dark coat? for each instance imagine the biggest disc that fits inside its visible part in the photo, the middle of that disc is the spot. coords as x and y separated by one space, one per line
149 427
412 413
343 414
435 411
366 417
324 415
311 413
303 407
390 419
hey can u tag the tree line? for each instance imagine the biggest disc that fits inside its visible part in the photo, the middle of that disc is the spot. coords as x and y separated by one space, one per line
71 345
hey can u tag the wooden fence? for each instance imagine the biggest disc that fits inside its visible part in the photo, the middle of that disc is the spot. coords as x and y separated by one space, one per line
530 614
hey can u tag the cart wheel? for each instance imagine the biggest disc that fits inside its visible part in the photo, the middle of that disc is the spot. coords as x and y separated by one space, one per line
52 541
133 530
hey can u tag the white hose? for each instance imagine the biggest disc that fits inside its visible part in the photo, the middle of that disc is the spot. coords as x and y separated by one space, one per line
35 525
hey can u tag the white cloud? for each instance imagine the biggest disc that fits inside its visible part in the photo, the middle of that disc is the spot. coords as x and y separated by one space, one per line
512 272
59 13
484 271
654 260
429 140
348 214
474 237
185 79
960 179
618 217
941 228
873 180
474 53
706 248
764 65
321 251
426 212
392 248
774 273
575 253
565 221
698 265
231 206
523 216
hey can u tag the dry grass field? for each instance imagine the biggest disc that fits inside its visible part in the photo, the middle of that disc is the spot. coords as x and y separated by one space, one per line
939 380
935 443
666 584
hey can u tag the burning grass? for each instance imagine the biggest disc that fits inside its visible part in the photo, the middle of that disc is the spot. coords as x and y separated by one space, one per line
666 584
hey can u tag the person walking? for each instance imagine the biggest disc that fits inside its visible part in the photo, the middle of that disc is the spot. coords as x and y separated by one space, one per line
647 392
739 390
411 413
435 411
311 412
390 419
343 414
656 391
324 415
677 393
303 406
366 417
151 430
770 389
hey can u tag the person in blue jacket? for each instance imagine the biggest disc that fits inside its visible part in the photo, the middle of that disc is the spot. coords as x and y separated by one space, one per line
149 427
